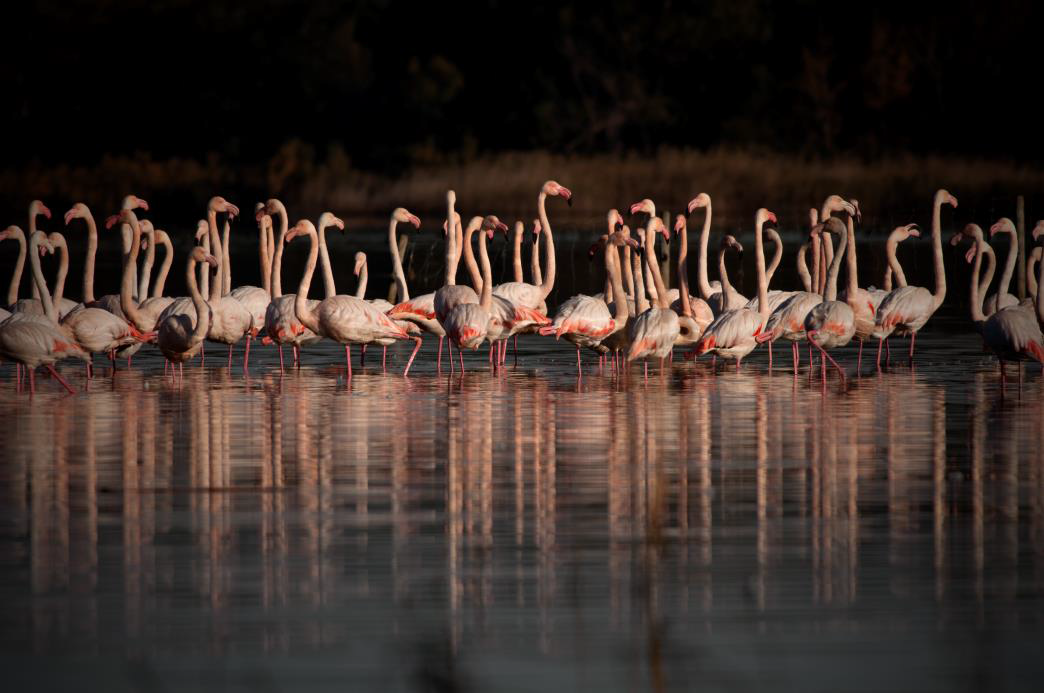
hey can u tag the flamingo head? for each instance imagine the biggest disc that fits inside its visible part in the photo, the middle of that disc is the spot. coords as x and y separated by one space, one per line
78 211
200 255
456 220
858 215
11 232
360 262
492 223
274 206
645 206
911 230
657 226
833 225
327 219
260 212
679 223
219 204
403 216
43 243
552 187
943 197
134 202
614 219
1038 230
729 241
701 200
57 240
38 208
762 216
202 229
596 246
147 227
301 228
623 238
1002 225
451 197
537 229
124 216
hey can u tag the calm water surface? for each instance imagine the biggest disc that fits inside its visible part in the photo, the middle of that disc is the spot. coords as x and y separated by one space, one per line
526 530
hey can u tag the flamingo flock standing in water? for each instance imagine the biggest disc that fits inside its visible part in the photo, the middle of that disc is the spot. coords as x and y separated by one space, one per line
636 316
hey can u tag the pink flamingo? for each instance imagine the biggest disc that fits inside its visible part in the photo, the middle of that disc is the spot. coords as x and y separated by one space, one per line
180 335
694 314
467 324
1003 299
907 309
655 331
733 334
32 341
831 324
254 298
382 305
709 291
344 319
1012 333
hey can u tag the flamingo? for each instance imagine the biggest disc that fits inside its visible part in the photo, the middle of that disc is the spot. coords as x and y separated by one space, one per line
282 325
832 323
907 309
380 304
694 314
861 301
467 324
419 310
344 319
892 270
733 333
230 321
1003 299
1012 333
112 302
150 308
180 335
586 321
655 331
254 298
709 291
32 341
534 296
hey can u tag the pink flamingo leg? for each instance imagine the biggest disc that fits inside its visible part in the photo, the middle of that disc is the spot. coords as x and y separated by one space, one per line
438 363
449 349
281 368
516 348
770 356
888 352
460 355
579 370
202 355
840 371
794 349
230 357
32 381
913 338
60 379
348 359
859 361
246 354
362 356
416 348
297 356
129 360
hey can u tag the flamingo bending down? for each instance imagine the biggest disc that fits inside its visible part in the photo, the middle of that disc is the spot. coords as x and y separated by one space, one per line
906 310
33 341
733 334
831 323
1012 333
344 319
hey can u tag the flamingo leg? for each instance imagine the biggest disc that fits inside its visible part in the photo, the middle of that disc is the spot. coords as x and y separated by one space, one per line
297 356
230 357
416 348
348 359
859 362
770 357
384 359
129 360
662 359
181 373
880 343
362 356
460 355
202 355
438 364
794 349
491 353
281 369
449 348
60 379
738 364
579 371
913 338
516 348
840 371
888 352
32 381
246 354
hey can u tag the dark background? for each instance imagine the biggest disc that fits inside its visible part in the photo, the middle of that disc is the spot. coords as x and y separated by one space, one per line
400 83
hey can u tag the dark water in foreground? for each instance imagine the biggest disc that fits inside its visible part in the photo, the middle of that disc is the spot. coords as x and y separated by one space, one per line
526 531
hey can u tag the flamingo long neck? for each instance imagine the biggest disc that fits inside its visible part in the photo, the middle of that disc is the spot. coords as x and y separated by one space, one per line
128 303
534 262
217 281
974 297
277 259
146 268
683 271
701 277
126 238
58 240
451 243
628 272
32 229
269 235
549 248
850 260
393 246
777 254
817 251
199 331
486 296
329 288
364 276
168 260
726 286
661 290
92 251
891 245
16 277
826 259
937 256
641 303
650 247
835 269
304 313
759 259
1031 274
469 255
802 267
265 257
516 251
38 277
1009 264
612 268
204 268
226 260
987 275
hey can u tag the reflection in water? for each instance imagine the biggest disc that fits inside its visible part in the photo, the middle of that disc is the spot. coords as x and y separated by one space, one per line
618 530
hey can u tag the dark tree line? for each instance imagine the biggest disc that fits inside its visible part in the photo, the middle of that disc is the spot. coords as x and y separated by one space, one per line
397 83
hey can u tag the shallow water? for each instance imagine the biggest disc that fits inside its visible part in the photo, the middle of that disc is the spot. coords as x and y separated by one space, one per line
526 530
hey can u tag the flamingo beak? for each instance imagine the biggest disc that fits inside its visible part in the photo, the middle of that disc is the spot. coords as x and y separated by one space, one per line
970 255
143 204
916 233
69 216
415 221
42 209
953 201
489 234
567 194
771 217
111 221
338 223
232 210
211 260
636 207
679 224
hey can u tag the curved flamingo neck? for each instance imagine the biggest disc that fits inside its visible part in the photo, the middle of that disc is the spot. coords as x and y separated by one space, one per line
549 247
38 278
146 268
217 281
1040 291
1031 274
802 267
92 251
1009 264
987 275
683 271
16 277
329 288
759 259
226 260
364 277
777 254
817 251
486 295
726 285
393 247
850 261
661 290
265 256
641 303
516 251
835 268
897 274
277 259
628 272
701 278
451 242
937 256
826 259
127 301
204 268
168 260
58 241
612 268
304 313
974 297
477 279
199 331
534 262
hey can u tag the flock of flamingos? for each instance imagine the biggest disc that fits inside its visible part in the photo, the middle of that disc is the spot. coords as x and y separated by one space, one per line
635 317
